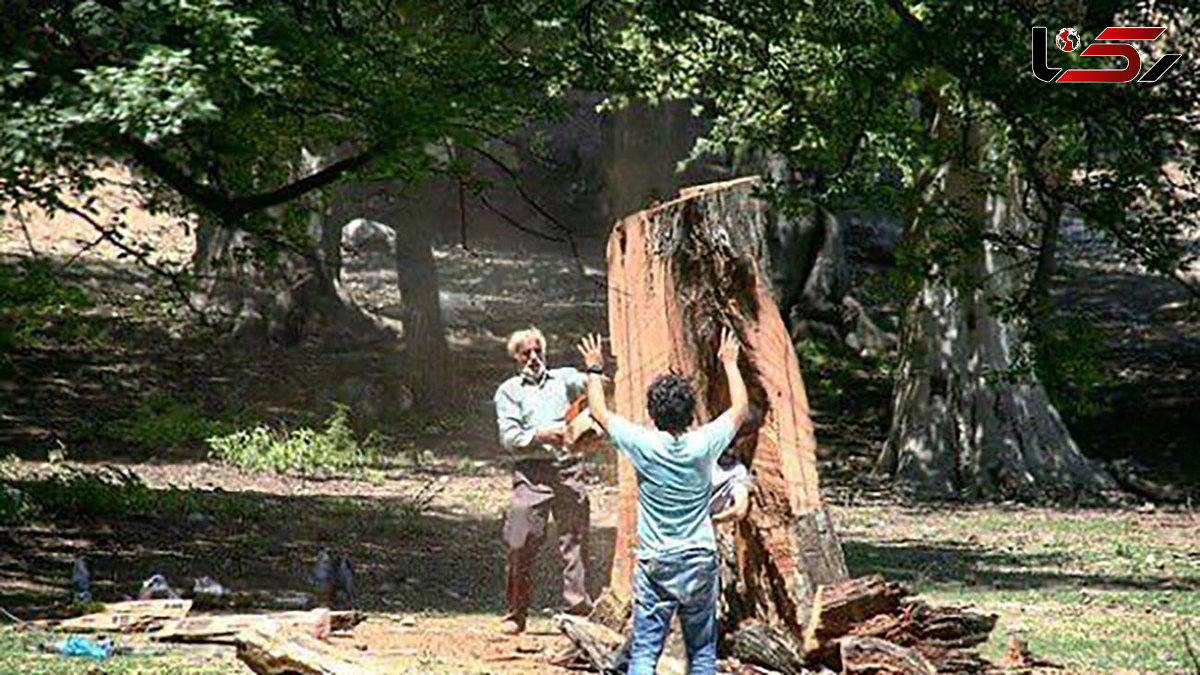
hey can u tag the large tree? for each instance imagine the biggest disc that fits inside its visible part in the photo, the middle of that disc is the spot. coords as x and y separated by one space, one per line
243 117
929 111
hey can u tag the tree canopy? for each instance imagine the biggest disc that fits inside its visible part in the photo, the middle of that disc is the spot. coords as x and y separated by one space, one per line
215 100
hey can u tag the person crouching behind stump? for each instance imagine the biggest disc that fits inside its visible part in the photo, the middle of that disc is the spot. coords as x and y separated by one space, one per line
547 479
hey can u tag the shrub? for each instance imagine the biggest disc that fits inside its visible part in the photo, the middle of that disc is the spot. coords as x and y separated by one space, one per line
162 421
302 451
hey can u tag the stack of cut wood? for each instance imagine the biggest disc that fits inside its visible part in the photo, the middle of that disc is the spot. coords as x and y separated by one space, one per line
861 626
270 643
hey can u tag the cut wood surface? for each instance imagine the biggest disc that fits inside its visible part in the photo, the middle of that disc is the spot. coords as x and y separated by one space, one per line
316 623
678 274
269 649
133 615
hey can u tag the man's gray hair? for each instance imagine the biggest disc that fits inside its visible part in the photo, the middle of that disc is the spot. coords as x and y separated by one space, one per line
519 337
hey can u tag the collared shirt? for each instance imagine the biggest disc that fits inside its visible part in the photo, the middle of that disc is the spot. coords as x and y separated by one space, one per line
674 482
523 406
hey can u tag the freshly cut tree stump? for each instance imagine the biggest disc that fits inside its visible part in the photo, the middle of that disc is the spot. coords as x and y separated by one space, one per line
679 273
872 656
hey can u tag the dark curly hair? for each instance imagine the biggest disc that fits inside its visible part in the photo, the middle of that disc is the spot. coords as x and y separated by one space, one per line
671 403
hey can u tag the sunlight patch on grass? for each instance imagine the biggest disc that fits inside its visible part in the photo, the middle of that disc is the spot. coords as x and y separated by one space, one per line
19 654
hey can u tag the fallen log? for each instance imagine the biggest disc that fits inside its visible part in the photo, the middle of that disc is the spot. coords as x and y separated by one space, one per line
678 274
269 649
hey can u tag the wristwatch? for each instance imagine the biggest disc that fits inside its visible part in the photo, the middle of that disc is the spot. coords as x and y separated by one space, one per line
596 370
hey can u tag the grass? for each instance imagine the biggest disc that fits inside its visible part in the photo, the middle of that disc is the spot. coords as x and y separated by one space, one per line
1096 591
19 656
66 492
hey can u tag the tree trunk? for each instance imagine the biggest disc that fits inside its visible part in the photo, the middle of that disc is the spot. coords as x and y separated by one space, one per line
424 332
811 276
292 295
961 425
678 273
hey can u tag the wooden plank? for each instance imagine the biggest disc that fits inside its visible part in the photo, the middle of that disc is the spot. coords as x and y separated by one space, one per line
269 649
124 617
224 628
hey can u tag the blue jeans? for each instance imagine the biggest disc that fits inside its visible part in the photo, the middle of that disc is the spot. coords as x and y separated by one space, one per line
688 582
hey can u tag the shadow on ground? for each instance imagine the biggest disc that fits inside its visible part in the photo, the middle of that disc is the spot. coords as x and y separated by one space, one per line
406 560
922 563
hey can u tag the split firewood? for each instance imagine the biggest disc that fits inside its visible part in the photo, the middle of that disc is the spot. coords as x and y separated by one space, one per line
935 627
872 656
269 649
839 608
603 649
597 644
130 616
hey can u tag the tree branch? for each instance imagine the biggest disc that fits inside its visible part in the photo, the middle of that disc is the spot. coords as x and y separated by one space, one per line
315 181
210 200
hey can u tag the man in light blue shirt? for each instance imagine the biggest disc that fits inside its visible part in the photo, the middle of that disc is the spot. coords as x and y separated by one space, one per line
531 407
677 552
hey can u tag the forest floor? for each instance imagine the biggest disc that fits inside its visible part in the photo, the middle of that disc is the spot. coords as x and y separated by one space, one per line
104 421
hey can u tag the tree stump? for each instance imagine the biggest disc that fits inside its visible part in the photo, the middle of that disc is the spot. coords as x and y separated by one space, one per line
678 273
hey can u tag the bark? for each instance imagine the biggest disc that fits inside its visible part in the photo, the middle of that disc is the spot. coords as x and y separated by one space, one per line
839 607
872 656
224 628
424 331
129 616
678 273
961 426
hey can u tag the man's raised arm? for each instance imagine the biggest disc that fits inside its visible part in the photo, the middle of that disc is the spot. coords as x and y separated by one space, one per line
739 399
593 361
